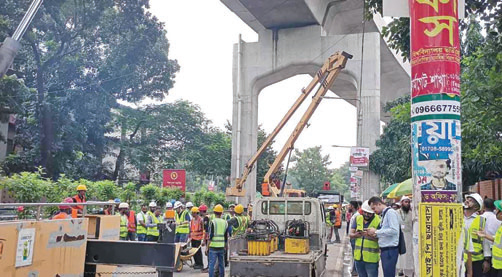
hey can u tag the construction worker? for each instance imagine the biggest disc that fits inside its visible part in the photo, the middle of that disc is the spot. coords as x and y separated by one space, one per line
64 210
366 250
124 220
206 220
141 219
182 221
153 219
231 212
329 224
250 212
131 224
217 243
108 208
169 214
189 206
197 236
336 218
239 222
79 198
496 262
481 257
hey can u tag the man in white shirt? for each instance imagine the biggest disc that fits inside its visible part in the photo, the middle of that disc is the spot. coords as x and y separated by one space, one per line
354 206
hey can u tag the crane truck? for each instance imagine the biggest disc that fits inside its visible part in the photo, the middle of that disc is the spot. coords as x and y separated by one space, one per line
323 79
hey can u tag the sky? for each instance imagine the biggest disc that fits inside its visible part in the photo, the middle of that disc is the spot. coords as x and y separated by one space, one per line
201 34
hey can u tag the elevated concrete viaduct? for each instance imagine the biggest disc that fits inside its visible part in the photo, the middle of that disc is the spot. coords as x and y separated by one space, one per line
296 37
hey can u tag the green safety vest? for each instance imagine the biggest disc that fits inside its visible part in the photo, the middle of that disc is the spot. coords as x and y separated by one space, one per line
153 231
226 216
328 221
123 226
243 225
497 249
478 224
181 228
367 250
140 229
220 227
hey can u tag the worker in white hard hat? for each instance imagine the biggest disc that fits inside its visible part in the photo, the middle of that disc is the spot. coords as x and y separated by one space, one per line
153 219
124 220
481 258
182 218
141 219
366 249
188 208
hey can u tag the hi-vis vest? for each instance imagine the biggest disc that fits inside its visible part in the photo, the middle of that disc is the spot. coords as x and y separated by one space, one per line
153 231
197 228
131 226
497 249
478 224
140 229
366 250
220 227
328 220
243 225
123 226
181 228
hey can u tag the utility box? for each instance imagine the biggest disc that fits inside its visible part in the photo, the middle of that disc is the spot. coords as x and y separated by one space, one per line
296 246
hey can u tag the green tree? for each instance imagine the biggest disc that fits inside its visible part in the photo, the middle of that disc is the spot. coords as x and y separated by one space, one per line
340 180
392 159
311 169
265 161
81 57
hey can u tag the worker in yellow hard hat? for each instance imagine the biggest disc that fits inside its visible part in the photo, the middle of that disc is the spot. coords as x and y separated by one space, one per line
79 198
336 219
197 236
218 236
239 222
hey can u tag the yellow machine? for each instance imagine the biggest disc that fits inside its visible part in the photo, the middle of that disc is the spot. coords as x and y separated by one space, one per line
325 78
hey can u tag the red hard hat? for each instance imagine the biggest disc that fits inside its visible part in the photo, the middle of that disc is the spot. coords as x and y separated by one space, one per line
66 200
203 208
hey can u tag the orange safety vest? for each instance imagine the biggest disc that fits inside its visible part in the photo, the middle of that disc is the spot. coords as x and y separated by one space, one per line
338 219
197 228
77 199
131 226
61 215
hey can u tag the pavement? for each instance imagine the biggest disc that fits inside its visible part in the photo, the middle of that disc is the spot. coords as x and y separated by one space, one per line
337 264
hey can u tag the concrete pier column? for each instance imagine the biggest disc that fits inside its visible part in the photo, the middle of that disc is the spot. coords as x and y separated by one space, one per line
368 108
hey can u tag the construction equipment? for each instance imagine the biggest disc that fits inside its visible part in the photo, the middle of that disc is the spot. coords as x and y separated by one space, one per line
325 78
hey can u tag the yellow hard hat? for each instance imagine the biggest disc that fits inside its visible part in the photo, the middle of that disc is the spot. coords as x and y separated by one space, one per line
335 206
195 210
218 208
82 187
239 209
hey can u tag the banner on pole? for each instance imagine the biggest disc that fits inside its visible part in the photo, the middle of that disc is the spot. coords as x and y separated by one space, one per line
359 157
440 233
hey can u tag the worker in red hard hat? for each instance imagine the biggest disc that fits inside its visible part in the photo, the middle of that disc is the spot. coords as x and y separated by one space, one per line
64 210
205 220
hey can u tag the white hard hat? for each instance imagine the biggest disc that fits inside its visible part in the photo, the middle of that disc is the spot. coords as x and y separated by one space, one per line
177 204
330 208
366 207
476 197
152 204
169 205
123 206
189 205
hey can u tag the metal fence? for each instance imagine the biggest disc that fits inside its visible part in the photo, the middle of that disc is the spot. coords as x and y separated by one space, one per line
40 206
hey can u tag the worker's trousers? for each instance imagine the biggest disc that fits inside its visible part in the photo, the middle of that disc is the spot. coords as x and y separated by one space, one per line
337 235
216 254
198 256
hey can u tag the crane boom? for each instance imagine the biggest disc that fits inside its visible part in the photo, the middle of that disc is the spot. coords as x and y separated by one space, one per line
325 77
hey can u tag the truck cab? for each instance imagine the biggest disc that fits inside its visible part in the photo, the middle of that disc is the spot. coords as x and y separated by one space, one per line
282 210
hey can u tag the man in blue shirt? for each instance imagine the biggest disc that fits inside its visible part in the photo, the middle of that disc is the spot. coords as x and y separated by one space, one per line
387 235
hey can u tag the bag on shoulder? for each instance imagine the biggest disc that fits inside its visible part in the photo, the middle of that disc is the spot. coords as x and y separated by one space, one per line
401 247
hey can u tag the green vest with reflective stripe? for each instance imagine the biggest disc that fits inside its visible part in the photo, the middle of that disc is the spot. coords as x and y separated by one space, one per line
226 216
220 227
243 225
181 228
497 249
328 221
478 224
365 249
153 231
140 229
123 226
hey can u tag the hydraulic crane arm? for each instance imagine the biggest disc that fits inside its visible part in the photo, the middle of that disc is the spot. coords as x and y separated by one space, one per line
336 63
332 64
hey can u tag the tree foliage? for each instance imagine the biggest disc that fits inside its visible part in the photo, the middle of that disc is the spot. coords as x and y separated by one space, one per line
80 58
311 169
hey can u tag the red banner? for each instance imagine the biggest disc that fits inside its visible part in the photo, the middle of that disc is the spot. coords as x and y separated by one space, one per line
174 178
435 47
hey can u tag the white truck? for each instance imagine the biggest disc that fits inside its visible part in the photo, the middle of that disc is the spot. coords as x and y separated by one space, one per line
282 210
